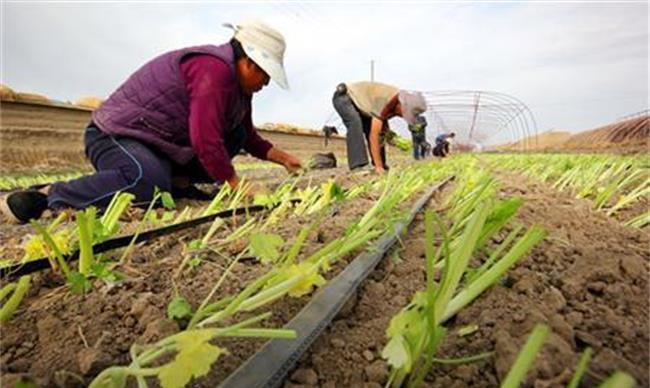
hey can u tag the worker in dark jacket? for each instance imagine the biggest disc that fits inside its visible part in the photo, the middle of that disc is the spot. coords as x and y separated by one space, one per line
419 137
365 108
442 144
178 120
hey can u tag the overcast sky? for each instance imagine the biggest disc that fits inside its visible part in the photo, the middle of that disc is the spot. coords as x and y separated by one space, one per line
577 65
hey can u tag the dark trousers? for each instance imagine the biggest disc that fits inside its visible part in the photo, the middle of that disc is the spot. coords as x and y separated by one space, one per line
419 145
358 130
441 149
128 165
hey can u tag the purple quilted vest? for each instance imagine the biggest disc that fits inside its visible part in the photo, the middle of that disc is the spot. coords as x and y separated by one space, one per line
152 105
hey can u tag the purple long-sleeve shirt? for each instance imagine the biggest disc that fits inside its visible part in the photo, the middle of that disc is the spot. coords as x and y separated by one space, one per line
212 88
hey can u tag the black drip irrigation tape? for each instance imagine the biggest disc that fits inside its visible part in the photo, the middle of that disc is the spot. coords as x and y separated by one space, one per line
29 267
269 366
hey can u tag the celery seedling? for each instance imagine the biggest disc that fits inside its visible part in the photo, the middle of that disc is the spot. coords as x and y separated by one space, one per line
19 290
526 357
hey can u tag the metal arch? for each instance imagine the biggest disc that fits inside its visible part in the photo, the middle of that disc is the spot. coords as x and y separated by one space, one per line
485 116
476 119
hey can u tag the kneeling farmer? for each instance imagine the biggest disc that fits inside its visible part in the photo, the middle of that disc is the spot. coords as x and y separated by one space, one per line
365 108
178 120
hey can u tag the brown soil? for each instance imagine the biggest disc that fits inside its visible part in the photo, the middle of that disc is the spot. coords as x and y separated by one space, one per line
588 281
59 339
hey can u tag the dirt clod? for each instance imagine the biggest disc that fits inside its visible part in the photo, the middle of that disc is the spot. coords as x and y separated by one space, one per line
377 371
92 361
305 376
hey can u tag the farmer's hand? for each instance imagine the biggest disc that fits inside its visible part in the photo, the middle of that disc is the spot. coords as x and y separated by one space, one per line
292 164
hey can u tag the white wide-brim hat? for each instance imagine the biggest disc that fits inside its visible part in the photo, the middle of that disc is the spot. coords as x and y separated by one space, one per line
265 46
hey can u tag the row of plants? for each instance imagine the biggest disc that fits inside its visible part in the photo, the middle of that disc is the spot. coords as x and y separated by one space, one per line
288 273
59 237
15 181
534 343
473 215
613 183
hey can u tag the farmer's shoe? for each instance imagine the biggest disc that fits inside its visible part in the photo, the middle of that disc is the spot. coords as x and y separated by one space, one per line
22 206
363 169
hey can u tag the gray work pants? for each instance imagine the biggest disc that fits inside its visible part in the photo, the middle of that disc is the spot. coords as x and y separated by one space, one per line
358 130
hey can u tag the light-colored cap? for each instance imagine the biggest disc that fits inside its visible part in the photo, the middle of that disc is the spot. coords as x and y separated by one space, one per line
413 104
265 46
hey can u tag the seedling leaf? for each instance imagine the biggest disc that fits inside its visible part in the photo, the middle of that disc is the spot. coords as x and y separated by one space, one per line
194 358
266 246
179 308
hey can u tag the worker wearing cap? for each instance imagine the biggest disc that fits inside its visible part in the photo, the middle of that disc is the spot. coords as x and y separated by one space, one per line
365 108
178 120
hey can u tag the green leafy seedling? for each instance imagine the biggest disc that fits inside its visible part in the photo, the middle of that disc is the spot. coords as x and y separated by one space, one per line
266 247
179 308
78 283
167 200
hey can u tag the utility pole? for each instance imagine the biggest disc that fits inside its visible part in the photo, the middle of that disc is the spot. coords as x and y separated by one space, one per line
372 70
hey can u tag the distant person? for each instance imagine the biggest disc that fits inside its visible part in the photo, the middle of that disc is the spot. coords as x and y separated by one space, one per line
426 146
365 108
178 120
418 135
442 144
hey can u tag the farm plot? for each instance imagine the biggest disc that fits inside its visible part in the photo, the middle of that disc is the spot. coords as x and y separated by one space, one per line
587 281
492 255
110 316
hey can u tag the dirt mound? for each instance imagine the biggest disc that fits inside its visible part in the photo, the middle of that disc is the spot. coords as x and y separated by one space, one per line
628 134
6 93
288 128
31 97
624 136
543 141
89 102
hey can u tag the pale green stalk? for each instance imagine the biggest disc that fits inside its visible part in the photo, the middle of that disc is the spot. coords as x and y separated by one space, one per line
526 356
127 250
532 237
639 221
47 238
6 290
618 380
85 220
459 259
8 309
581 368
116 208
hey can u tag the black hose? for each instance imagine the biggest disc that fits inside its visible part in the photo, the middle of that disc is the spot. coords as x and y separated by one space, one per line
21 269
270 365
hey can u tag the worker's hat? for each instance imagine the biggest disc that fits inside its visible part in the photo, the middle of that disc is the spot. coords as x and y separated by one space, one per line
265 46
413 104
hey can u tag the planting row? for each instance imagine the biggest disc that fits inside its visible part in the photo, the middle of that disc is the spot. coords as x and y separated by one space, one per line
617 185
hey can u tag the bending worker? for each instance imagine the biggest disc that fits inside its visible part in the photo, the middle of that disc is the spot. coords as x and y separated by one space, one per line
418 135
365 108
178 120
442 144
